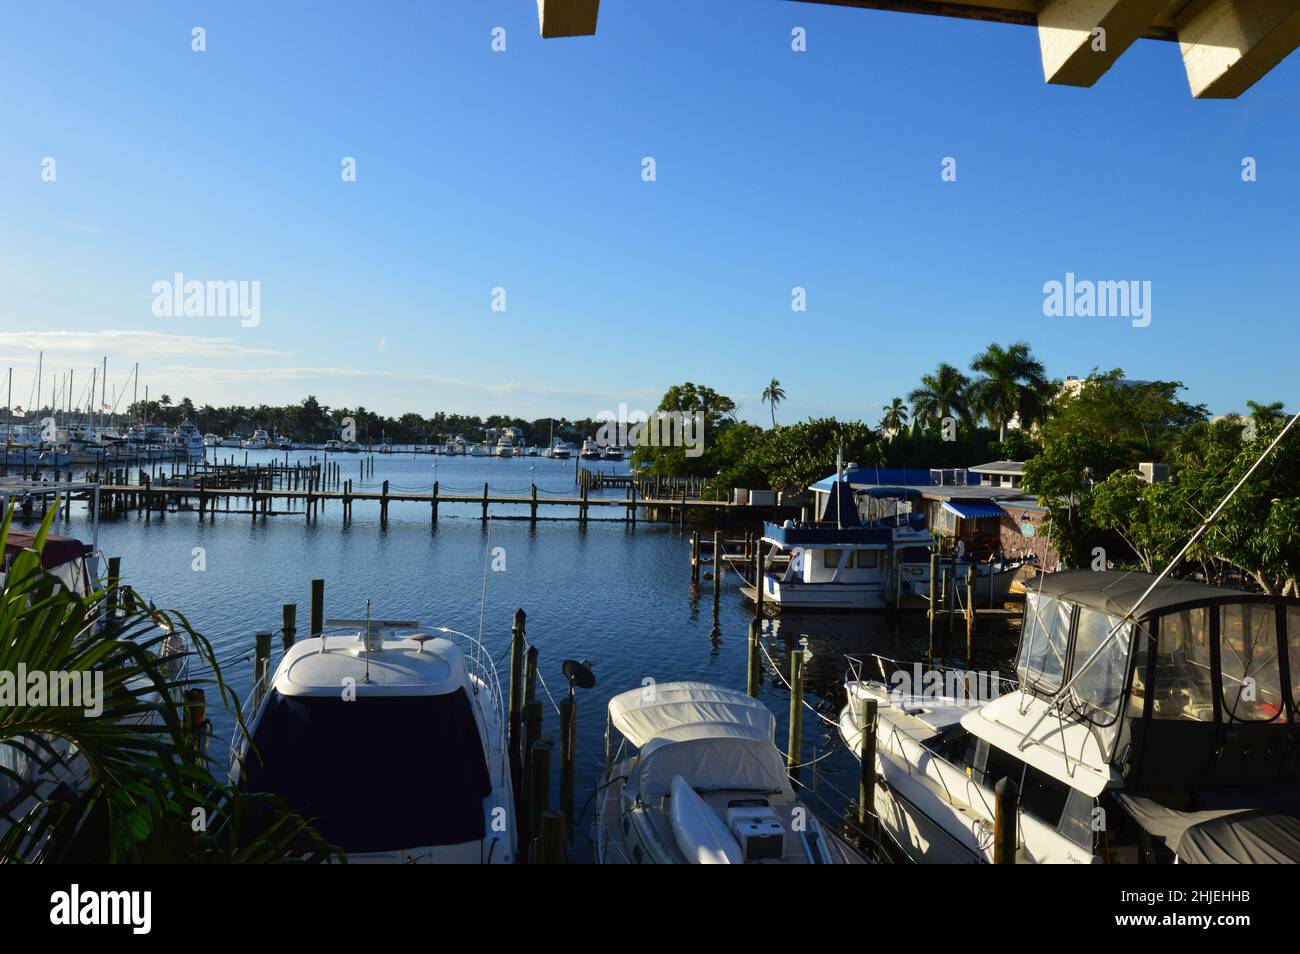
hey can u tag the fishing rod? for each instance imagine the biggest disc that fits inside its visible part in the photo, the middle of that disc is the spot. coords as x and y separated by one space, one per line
1128 616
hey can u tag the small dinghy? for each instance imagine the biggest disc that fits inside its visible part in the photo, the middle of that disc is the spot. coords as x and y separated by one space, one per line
699 780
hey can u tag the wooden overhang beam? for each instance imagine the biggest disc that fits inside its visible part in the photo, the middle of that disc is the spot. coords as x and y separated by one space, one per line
1229 44
567 17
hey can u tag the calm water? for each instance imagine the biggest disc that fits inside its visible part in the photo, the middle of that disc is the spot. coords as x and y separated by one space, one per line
617 596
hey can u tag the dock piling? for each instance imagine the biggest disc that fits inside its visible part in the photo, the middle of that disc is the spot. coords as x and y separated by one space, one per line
867 828
1006 808
795 749
289 624
317 607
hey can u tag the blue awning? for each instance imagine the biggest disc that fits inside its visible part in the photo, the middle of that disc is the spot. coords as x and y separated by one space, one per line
973 511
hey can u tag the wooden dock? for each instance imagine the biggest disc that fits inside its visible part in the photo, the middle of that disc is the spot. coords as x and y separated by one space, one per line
307 495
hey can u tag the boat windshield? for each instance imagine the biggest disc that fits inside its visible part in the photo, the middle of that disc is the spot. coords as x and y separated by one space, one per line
1098 690
1044 643
378 773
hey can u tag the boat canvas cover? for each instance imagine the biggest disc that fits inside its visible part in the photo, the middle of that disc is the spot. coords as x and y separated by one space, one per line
56 552
1220 835
641 714
711 758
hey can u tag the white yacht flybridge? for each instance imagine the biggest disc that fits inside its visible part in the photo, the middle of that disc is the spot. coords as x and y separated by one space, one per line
701 782
394 746
1151 720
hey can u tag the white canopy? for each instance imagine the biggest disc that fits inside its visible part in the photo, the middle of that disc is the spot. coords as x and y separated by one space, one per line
711 758
642 714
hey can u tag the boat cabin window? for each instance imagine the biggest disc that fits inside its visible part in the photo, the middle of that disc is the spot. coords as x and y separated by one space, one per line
1248 659
1049 800
1098 690
380 773
832 558
1182 688
1044 644
868 559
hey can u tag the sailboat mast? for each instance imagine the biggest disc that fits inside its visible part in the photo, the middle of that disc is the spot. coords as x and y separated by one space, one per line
40 358
103 394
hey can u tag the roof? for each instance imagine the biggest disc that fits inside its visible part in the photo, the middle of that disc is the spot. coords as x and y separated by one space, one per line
56 552
861 478
399 669
1016 467
1116 591
658 708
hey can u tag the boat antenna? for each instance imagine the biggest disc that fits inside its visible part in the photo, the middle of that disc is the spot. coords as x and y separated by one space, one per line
365 642
1129 616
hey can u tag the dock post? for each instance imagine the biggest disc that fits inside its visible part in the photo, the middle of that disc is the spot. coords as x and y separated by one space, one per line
434 504
261 664
717 567
383 505
758 582
867 779
582 511
695 558
951 597
485 500
796 709
539 777
114 576
317 607
1006 810
532 732
530 675
515 742
550 840
289 624
632 505
568 761
533 507
755 670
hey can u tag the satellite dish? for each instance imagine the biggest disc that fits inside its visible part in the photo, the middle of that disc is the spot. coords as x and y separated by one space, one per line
579 674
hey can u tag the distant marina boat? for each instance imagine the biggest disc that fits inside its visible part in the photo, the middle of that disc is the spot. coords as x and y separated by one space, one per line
351 447
333 445
560 450
427 724
505 447
259 441
698 779
457 445
590 450
613 452
211 440
231 441
478 450
283 443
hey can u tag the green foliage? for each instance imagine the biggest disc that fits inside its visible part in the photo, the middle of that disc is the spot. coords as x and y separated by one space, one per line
127 784
945 393
1013 383
796 455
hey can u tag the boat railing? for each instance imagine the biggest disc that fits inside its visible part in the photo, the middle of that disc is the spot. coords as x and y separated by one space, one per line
860 670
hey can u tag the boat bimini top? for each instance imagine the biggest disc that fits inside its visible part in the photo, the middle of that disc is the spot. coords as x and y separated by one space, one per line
714 738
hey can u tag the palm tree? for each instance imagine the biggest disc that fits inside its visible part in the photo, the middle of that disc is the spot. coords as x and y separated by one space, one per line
1013 382
773 395
895 417
141 781
945 393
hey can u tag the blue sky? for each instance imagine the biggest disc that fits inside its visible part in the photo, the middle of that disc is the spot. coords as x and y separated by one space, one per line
522 170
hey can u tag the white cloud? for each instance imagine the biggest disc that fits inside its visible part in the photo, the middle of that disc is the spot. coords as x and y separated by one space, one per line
133 345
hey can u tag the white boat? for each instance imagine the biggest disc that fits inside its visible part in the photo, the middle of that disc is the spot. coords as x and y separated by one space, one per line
613 452
332 444
231 441
186 441
590 450
259 441
351 447
423 743
284 443
478 450
699 780
560 450
1171 730
211 440
505 447
457 445
839 562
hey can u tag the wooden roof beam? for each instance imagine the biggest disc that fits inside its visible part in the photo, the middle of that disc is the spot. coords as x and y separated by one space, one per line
1229 44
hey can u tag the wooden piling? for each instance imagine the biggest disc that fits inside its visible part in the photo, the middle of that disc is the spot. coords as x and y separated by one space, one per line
539 777
317 607
867 827
934 607
717 566
261 664
795 748
114 578
550 839
515 742
532 732
532 510
695 558
383 505
970 609
485 501
530 675
434 504
758 582
288 625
